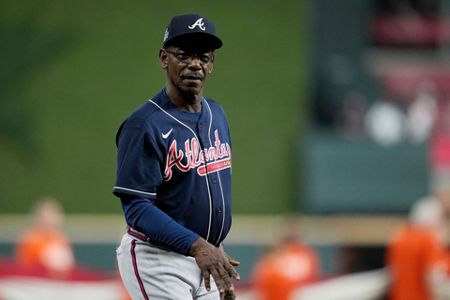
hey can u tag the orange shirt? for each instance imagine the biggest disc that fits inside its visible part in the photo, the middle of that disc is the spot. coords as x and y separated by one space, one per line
411 254
281 272
45 249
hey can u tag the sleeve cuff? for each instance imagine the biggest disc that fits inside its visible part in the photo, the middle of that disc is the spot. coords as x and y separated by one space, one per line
119 190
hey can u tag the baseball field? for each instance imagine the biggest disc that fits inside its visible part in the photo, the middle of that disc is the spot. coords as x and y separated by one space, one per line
289 74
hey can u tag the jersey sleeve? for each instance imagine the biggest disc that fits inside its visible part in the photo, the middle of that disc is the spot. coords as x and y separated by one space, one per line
142 215
138 165
435 252
138 176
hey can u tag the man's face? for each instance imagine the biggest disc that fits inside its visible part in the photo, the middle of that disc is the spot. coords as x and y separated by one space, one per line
187 69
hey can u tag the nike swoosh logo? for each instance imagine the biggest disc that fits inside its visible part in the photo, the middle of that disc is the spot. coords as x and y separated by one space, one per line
166 135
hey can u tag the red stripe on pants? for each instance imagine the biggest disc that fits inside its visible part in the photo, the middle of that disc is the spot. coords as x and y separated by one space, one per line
135 267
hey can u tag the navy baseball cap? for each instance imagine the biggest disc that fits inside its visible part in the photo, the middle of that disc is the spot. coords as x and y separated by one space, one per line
191 30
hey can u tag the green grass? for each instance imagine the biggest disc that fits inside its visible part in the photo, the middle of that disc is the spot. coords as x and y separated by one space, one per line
79 97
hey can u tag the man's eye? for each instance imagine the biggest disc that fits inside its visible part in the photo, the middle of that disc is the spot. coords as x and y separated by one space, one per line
183 56
205 58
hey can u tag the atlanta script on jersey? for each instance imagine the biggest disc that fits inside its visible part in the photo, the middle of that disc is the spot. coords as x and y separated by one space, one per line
181 161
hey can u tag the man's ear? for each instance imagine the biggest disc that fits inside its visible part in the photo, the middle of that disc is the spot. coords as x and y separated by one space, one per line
163 58
212 64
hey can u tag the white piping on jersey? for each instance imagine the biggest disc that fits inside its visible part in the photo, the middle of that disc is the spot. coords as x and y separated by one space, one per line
195 135
218 176
132 190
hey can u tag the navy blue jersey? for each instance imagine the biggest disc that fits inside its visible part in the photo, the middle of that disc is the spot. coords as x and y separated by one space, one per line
181 162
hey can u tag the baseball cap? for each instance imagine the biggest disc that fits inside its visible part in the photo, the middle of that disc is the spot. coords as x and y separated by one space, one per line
192 30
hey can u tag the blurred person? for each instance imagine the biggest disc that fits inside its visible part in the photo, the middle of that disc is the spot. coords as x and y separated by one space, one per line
350 119
385 123
416 254
439 157
283 269
440 185
422 113
44 245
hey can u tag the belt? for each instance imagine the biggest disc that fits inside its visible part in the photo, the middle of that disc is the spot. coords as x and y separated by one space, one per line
139 235
145 238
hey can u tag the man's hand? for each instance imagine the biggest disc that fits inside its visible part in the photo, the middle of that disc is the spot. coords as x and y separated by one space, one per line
231 260
229 294
214 262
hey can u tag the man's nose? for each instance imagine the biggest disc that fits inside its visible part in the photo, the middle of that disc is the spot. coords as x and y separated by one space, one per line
195 63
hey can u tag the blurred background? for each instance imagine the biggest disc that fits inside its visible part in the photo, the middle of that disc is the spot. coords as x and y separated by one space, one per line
339 113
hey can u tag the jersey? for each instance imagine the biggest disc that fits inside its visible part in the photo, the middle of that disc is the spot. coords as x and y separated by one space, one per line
411 254
279 273
45 249
180 163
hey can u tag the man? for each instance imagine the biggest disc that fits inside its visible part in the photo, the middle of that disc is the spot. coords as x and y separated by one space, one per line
174 178
285 268
44 245
416 255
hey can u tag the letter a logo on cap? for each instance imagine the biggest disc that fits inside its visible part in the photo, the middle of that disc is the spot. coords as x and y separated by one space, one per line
198 23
